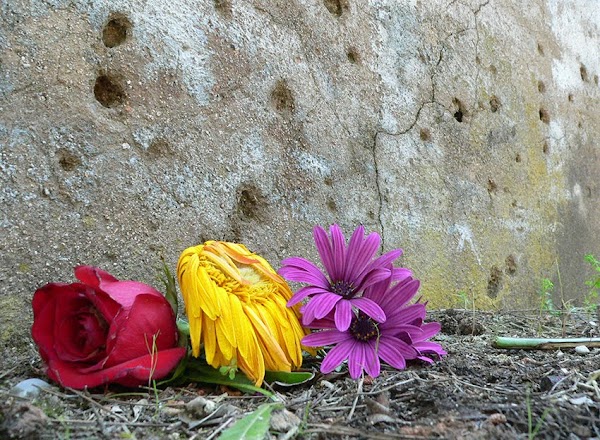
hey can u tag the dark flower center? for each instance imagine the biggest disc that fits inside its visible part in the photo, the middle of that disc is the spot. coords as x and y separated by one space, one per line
363 328
342 288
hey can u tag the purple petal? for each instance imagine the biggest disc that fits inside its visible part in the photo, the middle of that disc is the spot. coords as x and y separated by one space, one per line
372 364
324 303
370 307
374 276
343 315
387 258
324 249
356 360
430 329
399 295
338 245
406 315
413 331
326 322
426 359
400 273
392 355
407 351
303 293
378 291
314 277
308 313
336 356
429 347
325 337
360 252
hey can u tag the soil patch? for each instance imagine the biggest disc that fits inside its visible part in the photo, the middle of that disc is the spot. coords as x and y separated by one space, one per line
477 391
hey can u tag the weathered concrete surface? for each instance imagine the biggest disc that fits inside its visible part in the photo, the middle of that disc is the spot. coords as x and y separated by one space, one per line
464 131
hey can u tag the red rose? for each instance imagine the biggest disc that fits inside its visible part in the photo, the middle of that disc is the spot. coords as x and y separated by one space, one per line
103 330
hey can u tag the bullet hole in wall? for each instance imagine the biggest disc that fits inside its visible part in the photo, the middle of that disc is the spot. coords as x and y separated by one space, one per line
596 79
492 187
67 160
282 98
545 148
544 116
518 158
460 112
331 205
494 282
251 203
541 86
540 49
583 72
223 7
425 134
353 55
511 265
116 30
108 91
328 181
494 103
336 7
570 97
159 147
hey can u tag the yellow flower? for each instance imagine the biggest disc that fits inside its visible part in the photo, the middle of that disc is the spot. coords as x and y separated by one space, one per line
236 305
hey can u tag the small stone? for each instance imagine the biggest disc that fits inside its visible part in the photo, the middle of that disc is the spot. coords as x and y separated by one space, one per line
581 400
201 406
582 349
497 419
549 382
284 421
29 388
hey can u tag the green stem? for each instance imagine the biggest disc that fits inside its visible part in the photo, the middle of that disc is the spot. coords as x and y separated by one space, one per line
544 343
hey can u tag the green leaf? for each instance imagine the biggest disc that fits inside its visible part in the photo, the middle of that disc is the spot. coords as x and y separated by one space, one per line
183 326
197 372
170 290
285 378
254 426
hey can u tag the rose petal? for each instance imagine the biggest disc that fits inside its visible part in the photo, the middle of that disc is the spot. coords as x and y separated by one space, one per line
148 326
133 372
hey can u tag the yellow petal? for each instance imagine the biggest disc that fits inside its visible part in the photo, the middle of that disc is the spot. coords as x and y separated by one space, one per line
210 340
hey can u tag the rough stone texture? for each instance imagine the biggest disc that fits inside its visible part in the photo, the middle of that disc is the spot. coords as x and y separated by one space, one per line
464 131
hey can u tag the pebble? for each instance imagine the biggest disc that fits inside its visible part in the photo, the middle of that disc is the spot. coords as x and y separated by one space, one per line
29 388
582 349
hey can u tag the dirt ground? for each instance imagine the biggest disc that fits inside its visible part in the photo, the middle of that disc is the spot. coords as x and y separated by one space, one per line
477 391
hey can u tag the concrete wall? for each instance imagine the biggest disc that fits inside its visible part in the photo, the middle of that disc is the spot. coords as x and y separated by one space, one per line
465 132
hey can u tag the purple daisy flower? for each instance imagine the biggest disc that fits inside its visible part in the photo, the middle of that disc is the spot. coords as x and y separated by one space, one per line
350 269
401 337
